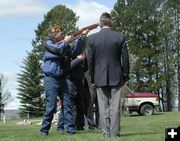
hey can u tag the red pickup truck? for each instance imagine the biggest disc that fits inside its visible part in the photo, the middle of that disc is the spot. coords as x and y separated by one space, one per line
144 103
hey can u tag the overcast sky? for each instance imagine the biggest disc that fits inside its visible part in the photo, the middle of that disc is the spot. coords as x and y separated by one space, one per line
19 19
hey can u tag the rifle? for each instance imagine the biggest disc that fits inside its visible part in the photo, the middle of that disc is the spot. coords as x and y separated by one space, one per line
77 33
90 27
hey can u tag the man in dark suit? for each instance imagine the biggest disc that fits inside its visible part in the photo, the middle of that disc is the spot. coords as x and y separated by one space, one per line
108 63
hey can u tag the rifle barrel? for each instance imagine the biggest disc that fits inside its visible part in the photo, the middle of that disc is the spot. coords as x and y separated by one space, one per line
90 27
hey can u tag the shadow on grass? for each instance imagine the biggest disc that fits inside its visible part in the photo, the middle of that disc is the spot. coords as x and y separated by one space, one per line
137 115
137 134
122 134
90 131
159 113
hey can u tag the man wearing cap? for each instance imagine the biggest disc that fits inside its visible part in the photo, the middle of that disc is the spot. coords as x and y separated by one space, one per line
54 80
108 64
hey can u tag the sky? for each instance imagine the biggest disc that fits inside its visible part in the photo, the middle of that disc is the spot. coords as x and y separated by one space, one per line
19 19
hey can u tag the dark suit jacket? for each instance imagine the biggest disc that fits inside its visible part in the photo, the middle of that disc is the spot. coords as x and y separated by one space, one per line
77 69
108 60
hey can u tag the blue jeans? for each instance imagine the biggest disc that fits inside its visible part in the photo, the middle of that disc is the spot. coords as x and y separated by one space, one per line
75 93
53 88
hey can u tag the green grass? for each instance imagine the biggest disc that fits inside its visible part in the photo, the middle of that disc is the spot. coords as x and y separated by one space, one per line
133 128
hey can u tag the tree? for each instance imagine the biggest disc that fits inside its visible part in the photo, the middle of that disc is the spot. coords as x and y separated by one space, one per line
31 90
170 43
172 10
139 21
152 30
5 95
59 15
30 87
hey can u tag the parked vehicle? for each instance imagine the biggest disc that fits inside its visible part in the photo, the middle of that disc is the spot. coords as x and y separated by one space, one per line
144 103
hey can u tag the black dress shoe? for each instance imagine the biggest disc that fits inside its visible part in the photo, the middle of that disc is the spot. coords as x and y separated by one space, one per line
92 127
43 134
80 128
71 133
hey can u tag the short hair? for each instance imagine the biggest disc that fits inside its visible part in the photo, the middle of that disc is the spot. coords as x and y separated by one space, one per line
105 19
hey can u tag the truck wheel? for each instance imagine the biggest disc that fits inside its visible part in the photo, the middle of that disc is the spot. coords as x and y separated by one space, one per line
147 109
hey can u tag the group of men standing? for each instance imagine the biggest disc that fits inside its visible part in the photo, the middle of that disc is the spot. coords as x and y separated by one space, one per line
106 64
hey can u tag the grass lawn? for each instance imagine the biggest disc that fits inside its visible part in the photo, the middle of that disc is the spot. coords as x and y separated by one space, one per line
133 128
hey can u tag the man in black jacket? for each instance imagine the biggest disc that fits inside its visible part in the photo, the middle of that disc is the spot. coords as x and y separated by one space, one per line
108 64
74 80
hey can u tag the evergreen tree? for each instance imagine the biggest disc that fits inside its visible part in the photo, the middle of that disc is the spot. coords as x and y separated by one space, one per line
138 19
59 15
30 86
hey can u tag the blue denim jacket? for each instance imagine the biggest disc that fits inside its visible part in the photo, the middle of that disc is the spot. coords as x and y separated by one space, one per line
52 64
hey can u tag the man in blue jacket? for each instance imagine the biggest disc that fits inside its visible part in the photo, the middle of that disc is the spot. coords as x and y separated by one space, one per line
74 80
54 81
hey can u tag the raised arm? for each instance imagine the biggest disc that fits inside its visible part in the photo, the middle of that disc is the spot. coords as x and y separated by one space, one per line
57 48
